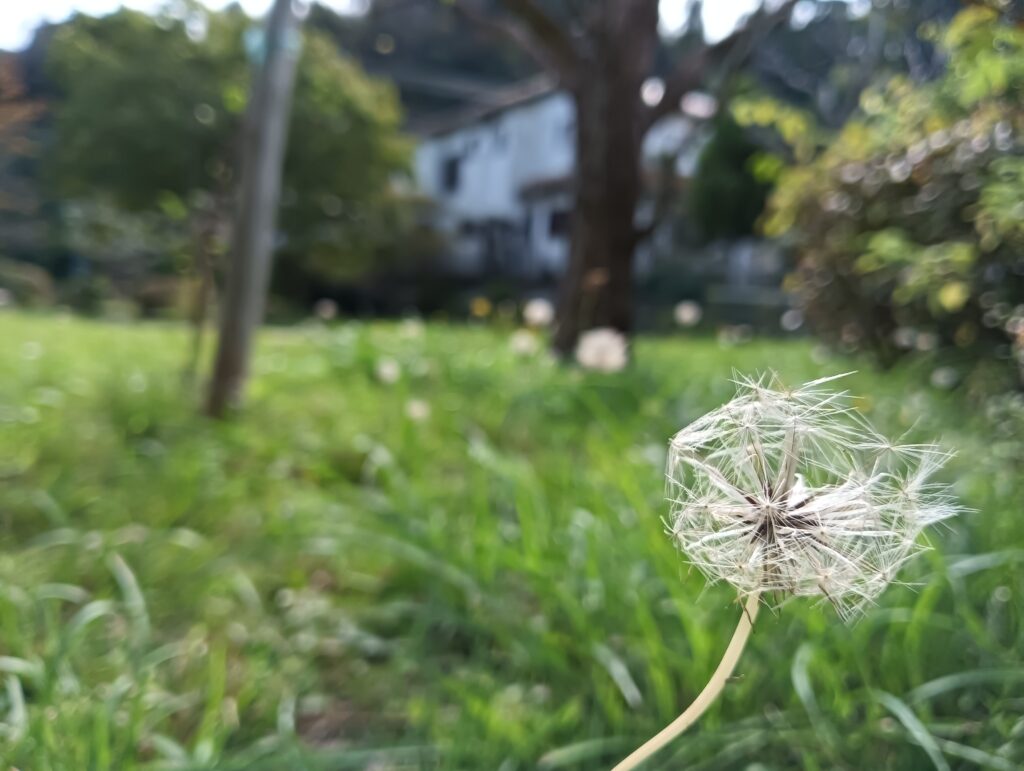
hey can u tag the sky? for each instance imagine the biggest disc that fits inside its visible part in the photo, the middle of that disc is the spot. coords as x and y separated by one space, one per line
18 18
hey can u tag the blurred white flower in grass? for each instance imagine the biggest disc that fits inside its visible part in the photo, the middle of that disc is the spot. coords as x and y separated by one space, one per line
904 337
412 328
926 341
523 343
945 378
734 334
421 368
603 350
538 312
388 370
417 410
49 397
793 492
688 313
792 320
137 382
325 309
820 354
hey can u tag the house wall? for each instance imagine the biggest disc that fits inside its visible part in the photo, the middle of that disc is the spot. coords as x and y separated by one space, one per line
547 253
497 158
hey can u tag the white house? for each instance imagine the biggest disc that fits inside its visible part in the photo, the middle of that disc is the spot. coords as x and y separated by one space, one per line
501 175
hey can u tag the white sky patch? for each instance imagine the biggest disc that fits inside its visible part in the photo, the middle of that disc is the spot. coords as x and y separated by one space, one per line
719 16
19 18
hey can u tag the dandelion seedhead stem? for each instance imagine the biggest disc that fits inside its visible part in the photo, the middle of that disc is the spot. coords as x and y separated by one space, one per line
790 492
707 696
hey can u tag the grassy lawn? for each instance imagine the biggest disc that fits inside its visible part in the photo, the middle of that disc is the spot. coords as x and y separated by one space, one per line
336 579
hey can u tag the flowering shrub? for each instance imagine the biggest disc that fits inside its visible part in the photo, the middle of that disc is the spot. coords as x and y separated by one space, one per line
908 227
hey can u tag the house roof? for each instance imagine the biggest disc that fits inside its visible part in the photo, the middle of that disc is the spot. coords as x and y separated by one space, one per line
497 102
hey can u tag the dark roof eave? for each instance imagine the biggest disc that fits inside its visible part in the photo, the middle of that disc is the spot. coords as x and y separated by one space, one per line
519 94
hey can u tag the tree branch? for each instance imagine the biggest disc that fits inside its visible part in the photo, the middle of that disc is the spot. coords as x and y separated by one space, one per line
666 193
530 28
722 58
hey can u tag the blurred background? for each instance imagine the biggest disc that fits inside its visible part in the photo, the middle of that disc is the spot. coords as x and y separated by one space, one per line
340 344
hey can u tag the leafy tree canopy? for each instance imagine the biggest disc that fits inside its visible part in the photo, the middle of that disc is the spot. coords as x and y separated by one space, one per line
150 114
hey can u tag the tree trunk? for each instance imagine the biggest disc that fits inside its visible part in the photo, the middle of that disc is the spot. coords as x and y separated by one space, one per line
602 55
253 237
203 297
597 290
197 319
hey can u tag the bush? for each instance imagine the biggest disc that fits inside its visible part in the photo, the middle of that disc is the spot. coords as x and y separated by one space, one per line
727 197
908 227
28 284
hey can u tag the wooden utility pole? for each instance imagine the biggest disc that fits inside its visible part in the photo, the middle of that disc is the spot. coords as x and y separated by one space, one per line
252 242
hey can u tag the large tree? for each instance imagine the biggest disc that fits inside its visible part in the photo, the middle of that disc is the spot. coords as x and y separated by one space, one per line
149 117
602 53
149 126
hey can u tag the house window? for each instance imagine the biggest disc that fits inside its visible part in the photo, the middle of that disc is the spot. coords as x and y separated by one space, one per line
450 174
558 223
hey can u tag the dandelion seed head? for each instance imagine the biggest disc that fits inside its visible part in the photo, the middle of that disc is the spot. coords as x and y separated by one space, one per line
602 350
538 312
417 410
792 492
325 309
523 342
412 328
688 313
388 370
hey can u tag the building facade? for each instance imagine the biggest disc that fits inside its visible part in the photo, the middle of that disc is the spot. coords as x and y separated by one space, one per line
502 175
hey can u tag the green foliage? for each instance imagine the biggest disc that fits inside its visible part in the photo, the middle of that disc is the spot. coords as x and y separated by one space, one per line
146 110
151 115
907 226
796 127
330 583
727 196
28 285
344 151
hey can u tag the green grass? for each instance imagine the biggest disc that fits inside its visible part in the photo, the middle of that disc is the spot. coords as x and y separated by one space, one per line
326 583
